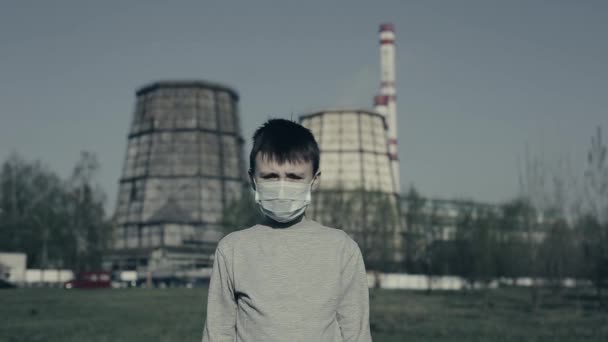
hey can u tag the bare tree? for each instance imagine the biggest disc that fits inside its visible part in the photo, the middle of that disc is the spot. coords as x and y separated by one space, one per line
557 210
595 222
90 233
596 179
241 212
532 188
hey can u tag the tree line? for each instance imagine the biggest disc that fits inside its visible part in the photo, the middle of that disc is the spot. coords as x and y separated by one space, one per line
508 241
58 223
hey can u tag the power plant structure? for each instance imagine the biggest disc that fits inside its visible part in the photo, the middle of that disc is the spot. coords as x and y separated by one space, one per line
356 187
354 151
349 137
184 162
386 102
359 158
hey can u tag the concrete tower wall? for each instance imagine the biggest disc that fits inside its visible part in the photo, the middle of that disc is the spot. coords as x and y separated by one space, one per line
354 152
184 162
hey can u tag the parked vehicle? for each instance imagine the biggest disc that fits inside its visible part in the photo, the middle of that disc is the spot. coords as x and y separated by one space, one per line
90 280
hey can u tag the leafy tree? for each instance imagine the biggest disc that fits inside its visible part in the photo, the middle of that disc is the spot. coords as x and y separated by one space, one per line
380 223
56 223
512 248
477 239
241 212
559 253
434 251
415 236
370 217
31 202
594 247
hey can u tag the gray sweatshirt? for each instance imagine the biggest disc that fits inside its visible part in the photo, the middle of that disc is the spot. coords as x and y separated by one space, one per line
302 283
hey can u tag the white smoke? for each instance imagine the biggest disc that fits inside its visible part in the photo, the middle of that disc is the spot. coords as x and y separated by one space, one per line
358 91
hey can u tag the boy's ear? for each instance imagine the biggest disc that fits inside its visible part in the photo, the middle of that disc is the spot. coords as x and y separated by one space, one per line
315 181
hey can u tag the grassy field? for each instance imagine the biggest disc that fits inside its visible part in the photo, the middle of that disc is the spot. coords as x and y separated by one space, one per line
51 315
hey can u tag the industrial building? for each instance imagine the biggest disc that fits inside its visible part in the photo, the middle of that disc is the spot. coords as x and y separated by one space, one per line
360 164
13 267
183 164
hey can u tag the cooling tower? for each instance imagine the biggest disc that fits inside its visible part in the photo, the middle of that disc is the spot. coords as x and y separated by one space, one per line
354 150
184 162
355 157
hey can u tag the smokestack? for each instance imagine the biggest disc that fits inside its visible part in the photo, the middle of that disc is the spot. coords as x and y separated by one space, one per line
381 104
387 90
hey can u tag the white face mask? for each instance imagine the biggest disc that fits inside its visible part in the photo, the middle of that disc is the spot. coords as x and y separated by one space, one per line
282 201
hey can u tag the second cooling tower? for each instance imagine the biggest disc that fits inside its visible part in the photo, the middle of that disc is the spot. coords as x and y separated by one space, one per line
354 151
356 169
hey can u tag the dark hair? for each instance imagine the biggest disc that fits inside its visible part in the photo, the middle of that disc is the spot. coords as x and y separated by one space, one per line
283 140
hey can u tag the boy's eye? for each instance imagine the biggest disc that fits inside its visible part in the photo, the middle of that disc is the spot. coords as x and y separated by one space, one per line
289 176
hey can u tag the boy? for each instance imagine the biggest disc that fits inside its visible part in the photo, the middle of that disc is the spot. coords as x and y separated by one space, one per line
287 279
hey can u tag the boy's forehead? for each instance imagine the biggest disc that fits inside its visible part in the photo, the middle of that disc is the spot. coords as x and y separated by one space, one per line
264 162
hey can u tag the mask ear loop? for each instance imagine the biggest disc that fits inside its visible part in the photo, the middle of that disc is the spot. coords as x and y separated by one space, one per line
314 178
309 195
256 195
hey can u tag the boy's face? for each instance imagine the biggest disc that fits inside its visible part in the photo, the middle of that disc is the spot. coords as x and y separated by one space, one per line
270 170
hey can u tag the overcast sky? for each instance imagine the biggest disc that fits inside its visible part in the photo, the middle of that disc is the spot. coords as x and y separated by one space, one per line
476 80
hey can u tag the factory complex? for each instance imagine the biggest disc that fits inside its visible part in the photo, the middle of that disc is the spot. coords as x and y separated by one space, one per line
184 163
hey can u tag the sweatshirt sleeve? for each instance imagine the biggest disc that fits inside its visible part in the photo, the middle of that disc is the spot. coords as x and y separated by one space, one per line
220 322
353 308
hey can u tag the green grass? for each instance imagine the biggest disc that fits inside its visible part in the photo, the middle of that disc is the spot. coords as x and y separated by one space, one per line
178 315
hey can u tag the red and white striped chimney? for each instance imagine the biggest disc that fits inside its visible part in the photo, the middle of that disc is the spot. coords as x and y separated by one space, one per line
388 103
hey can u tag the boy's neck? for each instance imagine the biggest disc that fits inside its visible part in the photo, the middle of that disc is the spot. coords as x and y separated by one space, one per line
281 225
